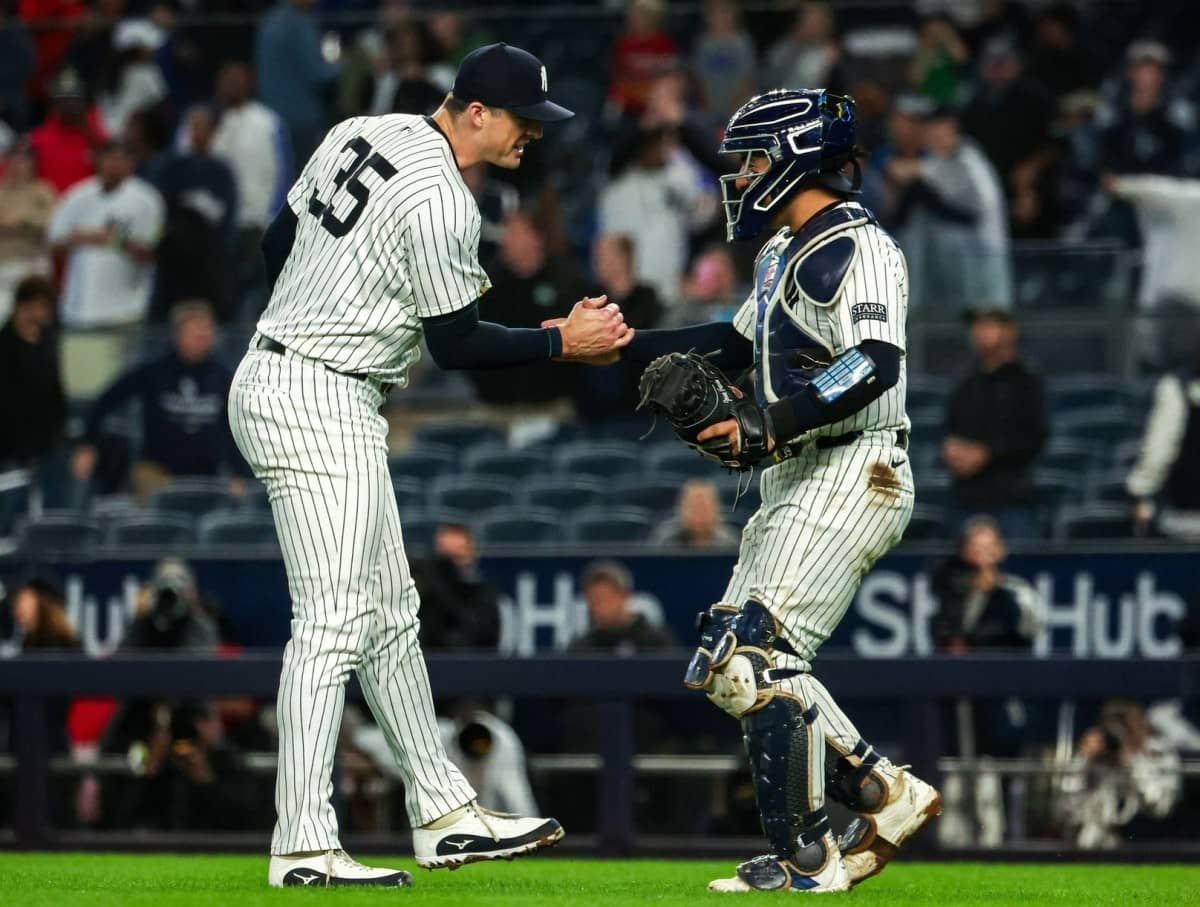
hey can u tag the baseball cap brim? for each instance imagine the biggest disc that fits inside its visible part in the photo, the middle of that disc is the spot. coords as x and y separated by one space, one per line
544 112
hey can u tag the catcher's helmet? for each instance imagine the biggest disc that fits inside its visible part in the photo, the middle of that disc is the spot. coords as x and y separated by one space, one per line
807 136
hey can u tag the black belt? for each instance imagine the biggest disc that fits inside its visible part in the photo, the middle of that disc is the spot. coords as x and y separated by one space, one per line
269 345
787 451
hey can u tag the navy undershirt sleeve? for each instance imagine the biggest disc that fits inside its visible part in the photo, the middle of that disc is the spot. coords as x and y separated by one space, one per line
277 243
719 341
460 341
805 411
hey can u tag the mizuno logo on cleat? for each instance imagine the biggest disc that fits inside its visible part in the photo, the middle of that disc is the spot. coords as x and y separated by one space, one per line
460 844
307 880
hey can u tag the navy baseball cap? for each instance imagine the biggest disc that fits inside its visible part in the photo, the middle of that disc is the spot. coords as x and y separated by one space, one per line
500 75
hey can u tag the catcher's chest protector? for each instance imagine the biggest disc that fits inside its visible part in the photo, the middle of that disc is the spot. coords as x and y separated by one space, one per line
798 281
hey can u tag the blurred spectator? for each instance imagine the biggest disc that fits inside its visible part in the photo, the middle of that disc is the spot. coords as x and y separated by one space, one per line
92 53
17 61
491 755
613 263
657 201
697 523
1123 771
980 607
712 279
996 426
496 199
134 82
65 144
292 74
529 287
807 54
253 143
183 395
366 58
171 613
50 42
1008 114
723 59
1166 471
950 221
905 140
33 408
107 227
401 84
459 606
25 206
39 618
199 240
1058 59
939 67
642 52
1148 134
455 36
613 625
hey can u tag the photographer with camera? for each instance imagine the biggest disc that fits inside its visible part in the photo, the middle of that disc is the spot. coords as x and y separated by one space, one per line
981 607
1127 778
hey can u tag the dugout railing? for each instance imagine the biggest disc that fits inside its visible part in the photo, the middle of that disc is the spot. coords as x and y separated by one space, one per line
615 685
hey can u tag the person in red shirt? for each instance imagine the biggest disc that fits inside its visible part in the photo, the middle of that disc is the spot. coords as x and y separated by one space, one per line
50 42
642 53
65 144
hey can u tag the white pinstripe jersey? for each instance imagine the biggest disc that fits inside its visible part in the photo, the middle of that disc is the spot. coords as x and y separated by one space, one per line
387 234
837 282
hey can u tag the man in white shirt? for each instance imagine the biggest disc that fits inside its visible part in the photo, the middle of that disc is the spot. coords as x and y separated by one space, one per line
107 227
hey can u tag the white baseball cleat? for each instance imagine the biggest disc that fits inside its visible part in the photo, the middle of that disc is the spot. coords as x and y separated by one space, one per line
769 873
871 840
331 867
481 834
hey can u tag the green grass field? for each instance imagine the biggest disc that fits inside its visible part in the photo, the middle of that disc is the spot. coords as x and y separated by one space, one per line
100 880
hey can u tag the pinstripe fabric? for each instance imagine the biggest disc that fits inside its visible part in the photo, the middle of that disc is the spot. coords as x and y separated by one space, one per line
354 300
317 441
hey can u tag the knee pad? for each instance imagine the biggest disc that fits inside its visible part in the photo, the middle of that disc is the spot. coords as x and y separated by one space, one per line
741 657
854 779
780 738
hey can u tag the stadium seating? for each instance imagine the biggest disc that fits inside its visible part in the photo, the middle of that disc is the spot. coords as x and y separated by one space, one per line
457 435
1070 455
60 532
657 493
519 526
614 524
14 498
1056 487
1071 393
927 524
418 527
564 494
934 489
1108 486
429 461
471 494
410 492
1093 521
1105 426
196 496
672 457
151 529
927 393
602 461
234 527
501 462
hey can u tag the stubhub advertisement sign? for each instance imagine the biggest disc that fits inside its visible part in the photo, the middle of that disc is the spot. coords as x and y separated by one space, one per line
1106 605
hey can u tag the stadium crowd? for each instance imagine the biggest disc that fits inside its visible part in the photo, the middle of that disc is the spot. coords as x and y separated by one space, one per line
147 145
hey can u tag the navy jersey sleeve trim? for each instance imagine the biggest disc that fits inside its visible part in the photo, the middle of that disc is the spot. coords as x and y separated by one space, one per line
718 340
460 341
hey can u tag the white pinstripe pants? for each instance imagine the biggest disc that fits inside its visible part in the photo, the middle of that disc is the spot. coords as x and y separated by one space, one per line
826 517
317 441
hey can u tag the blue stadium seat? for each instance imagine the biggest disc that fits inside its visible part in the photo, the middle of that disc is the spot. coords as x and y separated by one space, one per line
927 424
525 526
657 493
1093 521
1108 486
15 486
471 494
410 493
739 494
196 496
934 489
418 527
675 458
425 463
70 532
927 524
501 462
1101 426
1056 487
1126 453
927 393
457 435
1071 393
602 461
157 528
237 527
611 524
1069 455
563 494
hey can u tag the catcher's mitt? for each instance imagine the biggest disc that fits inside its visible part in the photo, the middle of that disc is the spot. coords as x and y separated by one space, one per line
691 393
